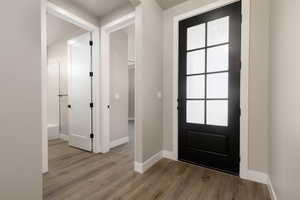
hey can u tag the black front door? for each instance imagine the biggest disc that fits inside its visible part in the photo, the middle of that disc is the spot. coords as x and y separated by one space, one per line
209 89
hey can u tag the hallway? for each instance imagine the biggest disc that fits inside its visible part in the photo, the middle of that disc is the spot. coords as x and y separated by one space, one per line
75 174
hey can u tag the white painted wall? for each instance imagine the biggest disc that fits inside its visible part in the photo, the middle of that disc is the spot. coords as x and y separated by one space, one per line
284 163
149 63
53 90
131 72
20 105
258 86
118 85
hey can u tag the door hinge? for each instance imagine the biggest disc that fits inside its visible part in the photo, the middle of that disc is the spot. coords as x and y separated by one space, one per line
91 74
91 43
92 136
69 106
92 105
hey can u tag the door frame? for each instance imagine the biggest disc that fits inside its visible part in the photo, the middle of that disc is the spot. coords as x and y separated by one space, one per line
50 8
106 30
245 50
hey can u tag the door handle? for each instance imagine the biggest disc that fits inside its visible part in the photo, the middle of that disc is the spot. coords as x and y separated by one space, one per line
179 104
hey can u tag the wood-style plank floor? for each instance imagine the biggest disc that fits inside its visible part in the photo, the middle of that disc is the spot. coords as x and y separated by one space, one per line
78 175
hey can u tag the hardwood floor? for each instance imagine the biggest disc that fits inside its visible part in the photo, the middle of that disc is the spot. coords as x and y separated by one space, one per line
78 175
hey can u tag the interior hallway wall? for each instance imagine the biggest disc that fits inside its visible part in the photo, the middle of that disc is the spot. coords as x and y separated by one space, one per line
149 64
284 97
118 85
20 105
258 80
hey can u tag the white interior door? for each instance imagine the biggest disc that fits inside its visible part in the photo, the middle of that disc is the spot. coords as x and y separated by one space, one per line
80 92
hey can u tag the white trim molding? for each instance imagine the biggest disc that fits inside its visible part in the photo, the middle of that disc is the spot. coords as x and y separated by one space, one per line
271 189
143 167
263 178
169 155
257 176
106 30
244 76
64 137
119 142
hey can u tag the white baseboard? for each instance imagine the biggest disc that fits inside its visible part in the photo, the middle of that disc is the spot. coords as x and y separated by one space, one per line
271 189
169 155
257 176
263 178
53 137
64 137
143 167
53 132
119 142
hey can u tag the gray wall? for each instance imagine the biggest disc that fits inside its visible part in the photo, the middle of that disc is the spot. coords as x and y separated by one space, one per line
258 86
118 85
284 99
149 51
20 105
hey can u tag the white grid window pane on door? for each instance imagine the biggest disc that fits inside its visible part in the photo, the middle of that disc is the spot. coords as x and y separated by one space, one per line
217 112
218 58
196 37
217 85
195 87
195 111
218 31
196 62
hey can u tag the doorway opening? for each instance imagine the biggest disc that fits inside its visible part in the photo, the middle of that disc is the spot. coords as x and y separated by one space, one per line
69 85
71 64
122 89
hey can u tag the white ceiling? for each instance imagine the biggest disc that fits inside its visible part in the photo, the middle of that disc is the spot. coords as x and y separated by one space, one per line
165 4
58 29
98 8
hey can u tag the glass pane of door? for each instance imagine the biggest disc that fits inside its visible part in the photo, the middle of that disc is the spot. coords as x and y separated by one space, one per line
195 87
195 112
218 31
217 58
217 113
217 85
196 62
196 37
